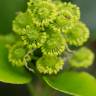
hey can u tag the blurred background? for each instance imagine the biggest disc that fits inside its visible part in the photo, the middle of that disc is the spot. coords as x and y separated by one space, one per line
8 11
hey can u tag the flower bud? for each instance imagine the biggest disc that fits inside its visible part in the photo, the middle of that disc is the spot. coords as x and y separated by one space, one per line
82 58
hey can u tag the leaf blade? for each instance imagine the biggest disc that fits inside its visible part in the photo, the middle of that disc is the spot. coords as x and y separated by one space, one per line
73 83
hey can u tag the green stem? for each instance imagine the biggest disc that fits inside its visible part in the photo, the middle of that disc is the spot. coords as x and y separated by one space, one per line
30 88
38 88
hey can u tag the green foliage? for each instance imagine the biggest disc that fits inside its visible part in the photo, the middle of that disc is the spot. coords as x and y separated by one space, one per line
73 83
9 9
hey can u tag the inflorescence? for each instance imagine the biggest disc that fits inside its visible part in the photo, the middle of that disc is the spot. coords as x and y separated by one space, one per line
50 27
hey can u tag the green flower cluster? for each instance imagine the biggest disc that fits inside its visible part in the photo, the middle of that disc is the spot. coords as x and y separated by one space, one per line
49 26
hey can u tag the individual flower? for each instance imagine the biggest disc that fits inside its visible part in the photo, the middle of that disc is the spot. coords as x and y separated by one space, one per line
63 21
49 64
82 58
54 45
32 37
17 54
77 35
21 21
43 12
73 9
68 14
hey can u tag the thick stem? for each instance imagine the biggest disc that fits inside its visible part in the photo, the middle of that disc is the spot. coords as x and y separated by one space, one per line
39 88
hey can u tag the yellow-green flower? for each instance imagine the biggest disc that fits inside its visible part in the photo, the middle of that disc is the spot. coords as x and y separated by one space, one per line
54 45
49 64
64 21
43 12
82 58
68 14
77 35
17 54
32 37
21 21
73 9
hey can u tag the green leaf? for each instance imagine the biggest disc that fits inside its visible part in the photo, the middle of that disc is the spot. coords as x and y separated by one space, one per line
10 74
73 83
